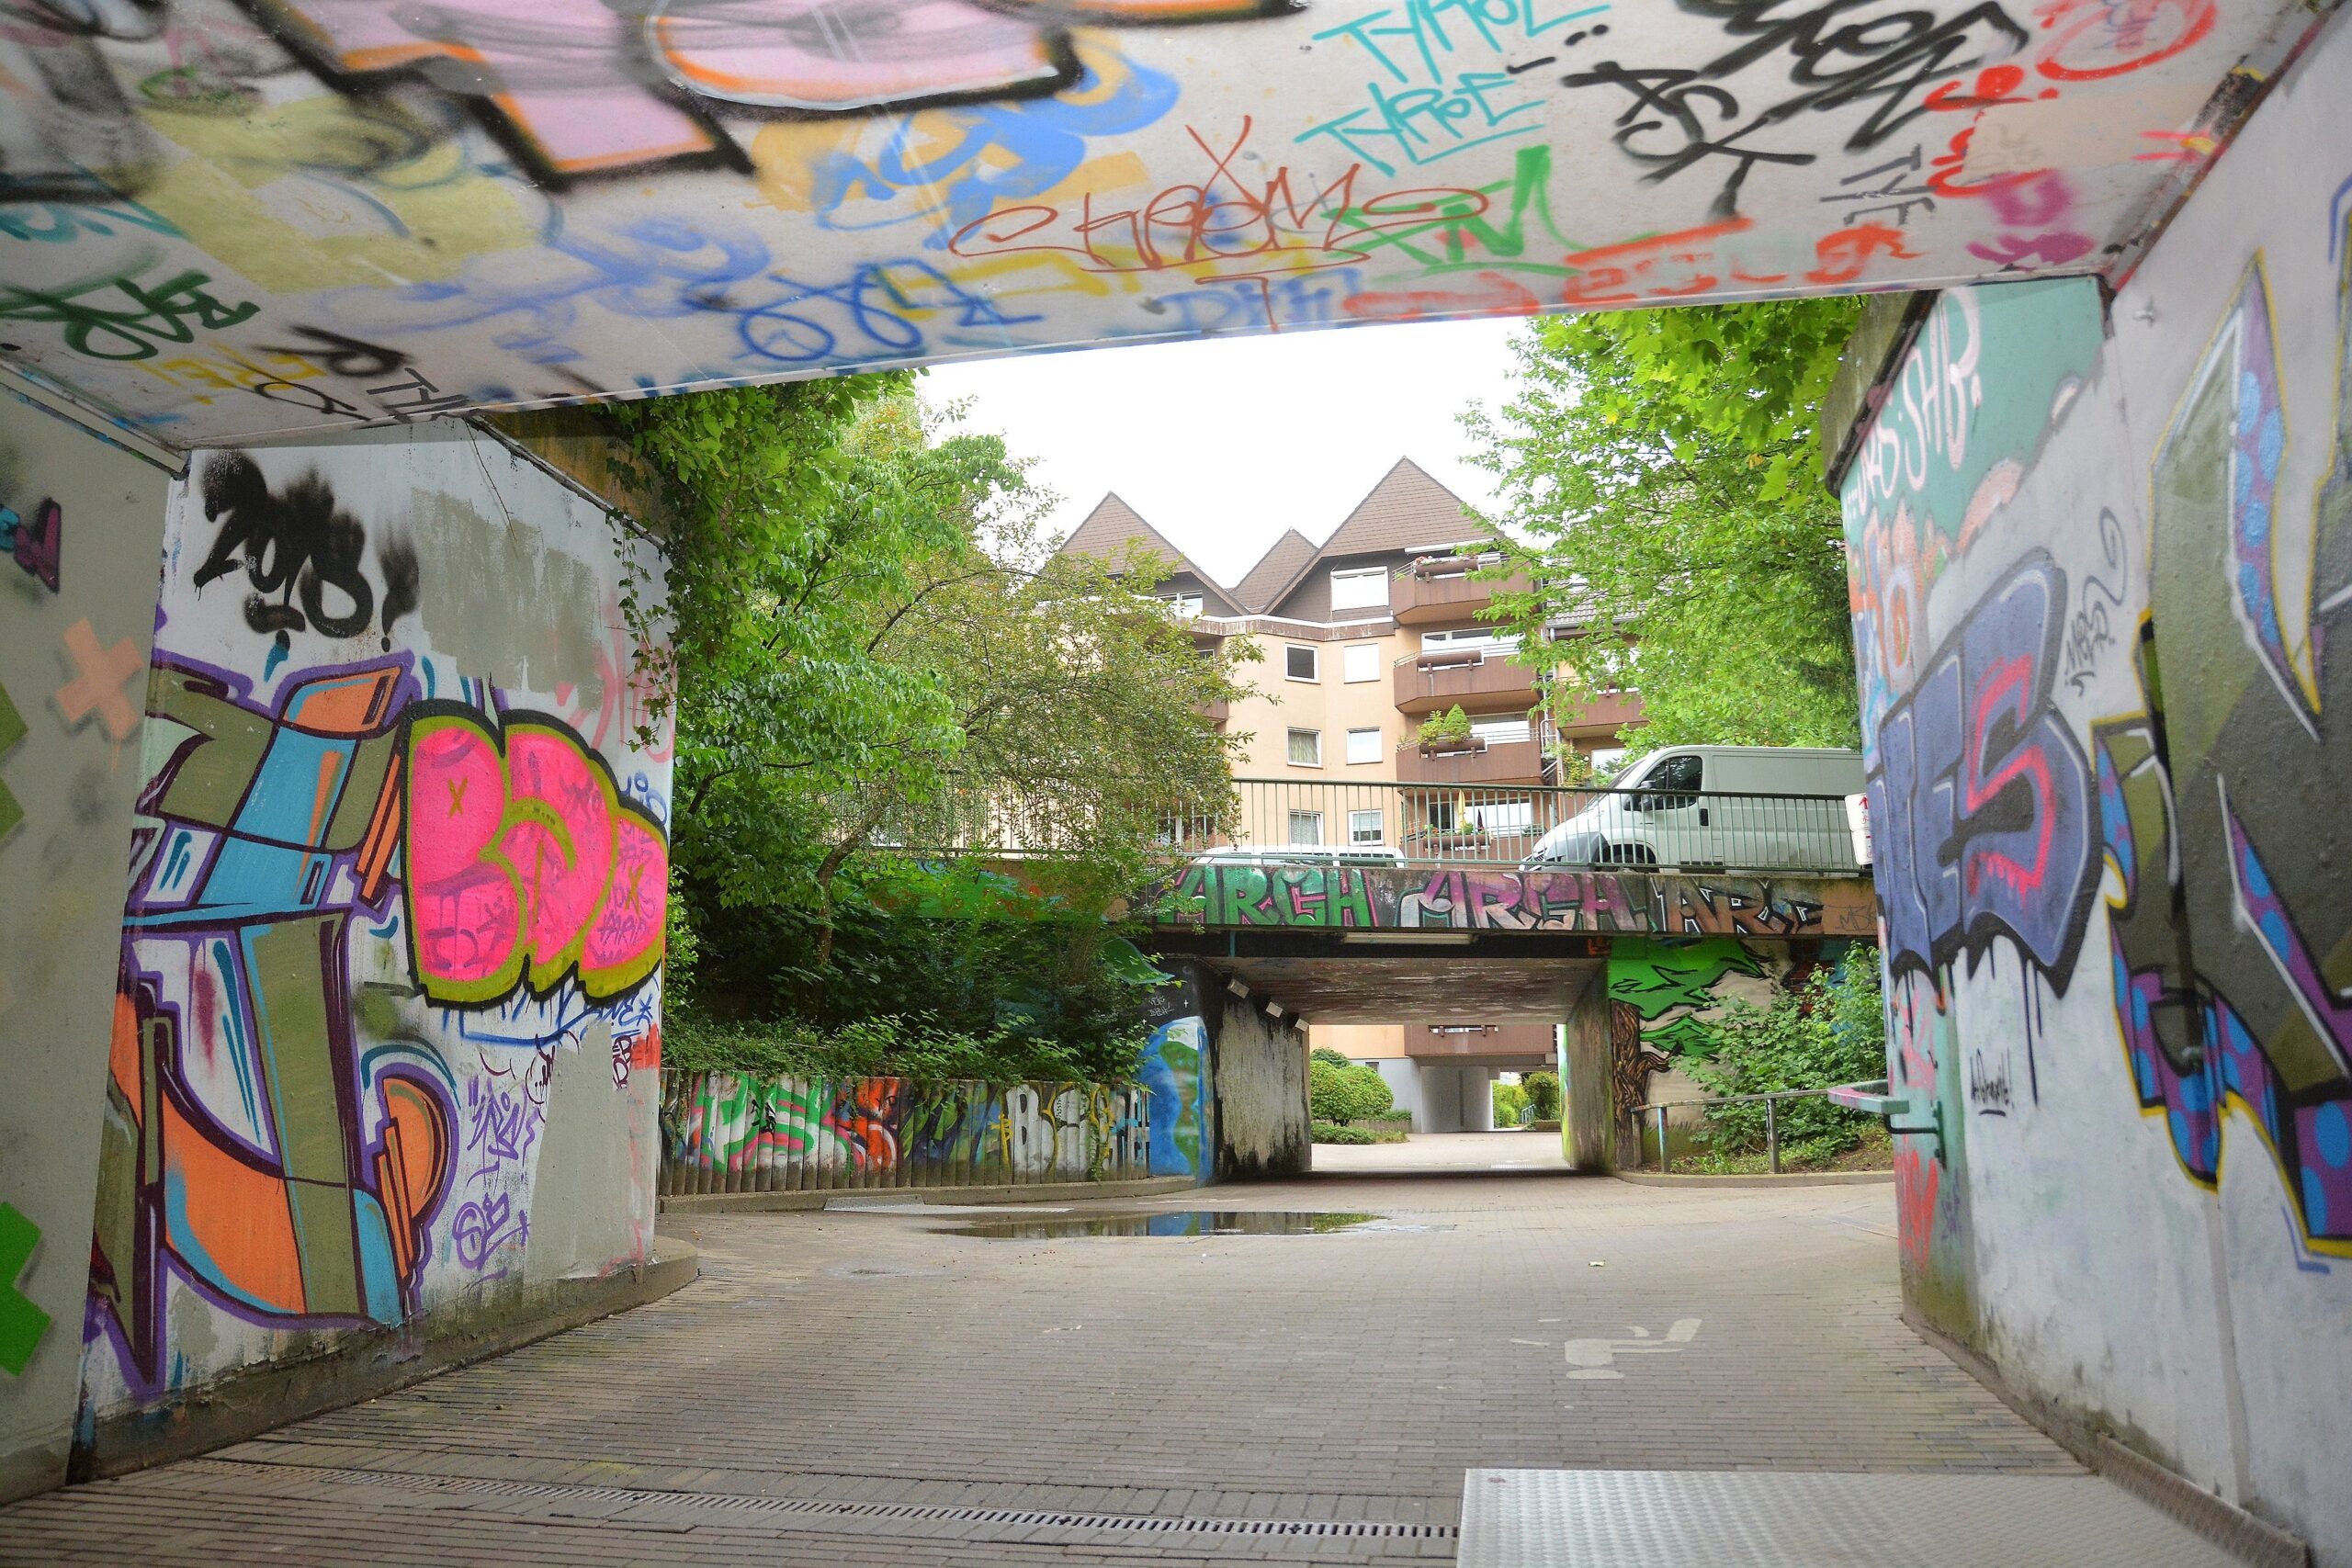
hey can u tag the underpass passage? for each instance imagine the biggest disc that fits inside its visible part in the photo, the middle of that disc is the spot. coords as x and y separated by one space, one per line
856 1386
303 216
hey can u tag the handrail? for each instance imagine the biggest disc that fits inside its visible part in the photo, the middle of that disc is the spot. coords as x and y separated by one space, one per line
1771 1103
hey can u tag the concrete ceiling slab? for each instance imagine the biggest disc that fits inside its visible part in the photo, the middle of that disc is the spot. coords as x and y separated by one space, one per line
1368 988
224 221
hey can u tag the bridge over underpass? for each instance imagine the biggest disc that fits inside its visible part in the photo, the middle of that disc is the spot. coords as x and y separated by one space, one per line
2108 436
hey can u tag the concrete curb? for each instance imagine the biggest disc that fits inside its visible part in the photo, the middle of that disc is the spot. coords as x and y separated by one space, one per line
1794 1178
1008 1192
2227 1526
363 1364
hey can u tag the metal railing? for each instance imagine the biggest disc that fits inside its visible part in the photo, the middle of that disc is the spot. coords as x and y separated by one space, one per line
1526 825
1771 1104
1536 826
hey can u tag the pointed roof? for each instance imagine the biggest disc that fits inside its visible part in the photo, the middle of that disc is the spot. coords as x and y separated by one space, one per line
1110 527
1405 510
1113 526
1279 568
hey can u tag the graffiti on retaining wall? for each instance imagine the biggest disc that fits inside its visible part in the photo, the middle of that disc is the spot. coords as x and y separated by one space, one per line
1982 802
257 1145
22 1324
384 916
272 215
725 1131
2230 921
1213 893
1174 1072
1665 992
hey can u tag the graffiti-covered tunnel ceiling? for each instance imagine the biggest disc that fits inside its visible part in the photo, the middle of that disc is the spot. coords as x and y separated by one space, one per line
227 220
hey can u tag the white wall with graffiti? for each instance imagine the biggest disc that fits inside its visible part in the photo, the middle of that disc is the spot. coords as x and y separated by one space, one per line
385 1033
2102 570
222 218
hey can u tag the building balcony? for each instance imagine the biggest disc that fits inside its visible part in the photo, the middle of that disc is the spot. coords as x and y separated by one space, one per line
1478 762
1455 1042
1439 590
1217 712
1606 714
1476 680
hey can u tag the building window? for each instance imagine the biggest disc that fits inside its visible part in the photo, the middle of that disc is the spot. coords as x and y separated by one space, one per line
1298 663
1186 605
1306 826
1363 745
1440 812
1607 760
1367 826
1360 662
1360 588
1306 747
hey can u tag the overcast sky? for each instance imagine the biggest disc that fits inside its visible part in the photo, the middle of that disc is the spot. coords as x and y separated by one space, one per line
1222 443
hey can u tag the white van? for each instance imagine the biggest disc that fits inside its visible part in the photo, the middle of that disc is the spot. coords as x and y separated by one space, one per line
1717 808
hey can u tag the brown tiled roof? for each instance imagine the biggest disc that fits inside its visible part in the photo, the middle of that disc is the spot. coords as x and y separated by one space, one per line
1406 509
1113 526
1275 571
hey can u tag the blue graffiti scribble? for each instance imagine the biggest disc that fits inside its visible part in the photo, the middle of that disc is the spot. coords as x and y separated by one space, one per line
672 268
1003 151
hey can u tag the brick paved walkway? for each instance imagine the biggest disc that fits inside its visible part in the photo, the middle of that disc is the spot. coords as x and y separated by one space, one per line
845 1387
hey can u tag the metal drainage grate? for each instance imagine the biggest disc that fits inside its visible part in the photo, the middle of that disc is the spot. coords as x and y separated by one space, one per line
817 1507
1650 1518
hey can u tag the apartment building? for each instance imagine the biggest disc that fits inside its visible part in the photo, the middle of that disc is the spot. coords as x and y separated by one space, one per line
1361 641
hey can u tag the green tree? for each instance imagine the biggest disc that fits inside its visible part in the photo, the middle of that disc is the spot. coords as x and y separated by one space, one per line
1542 1093
876 650
1659 482
1510 1099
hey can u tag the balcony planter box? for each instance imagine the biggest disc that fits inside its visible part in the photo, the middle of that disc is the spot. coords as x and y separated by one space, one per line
1451 748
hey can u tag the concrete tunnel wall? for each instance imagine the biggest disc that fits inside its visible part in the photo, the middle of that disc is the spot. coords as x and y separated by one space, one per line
330 1086
2126 1000
75 627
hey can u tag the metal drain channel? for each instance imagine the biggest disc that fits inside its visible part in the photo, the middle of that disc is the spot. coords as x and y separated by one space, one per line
817 1507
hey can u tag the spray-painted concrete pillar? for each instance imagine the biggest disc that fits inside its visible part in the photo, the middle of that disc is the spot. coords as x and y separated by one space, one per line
1260 1084
1587 1116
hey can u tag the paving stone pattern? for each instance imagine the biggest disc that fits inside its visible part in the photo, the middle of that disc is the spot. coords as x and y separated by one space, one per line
859 1387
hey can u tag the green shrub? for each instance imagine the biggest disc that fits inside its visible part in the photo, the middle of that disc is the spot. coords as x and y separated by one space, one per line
1543 1094
1331 1133
916 1048
1509 1101
1330 1058
1831 1032
1346 1094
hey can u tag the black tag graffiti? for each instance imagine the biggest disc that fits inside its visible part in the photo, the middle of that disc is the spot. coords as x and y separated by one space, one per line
294 541
1682 117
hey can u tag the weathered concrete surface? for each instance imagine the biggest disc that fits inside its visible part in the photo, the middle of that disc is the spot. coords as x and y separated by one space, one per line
1260 1078
84 529
864 1357
1588 1114
363 1366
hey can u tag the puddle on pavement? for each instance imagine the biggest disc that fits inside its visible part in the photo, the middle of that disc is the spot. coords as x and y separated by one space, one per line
1178 1222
